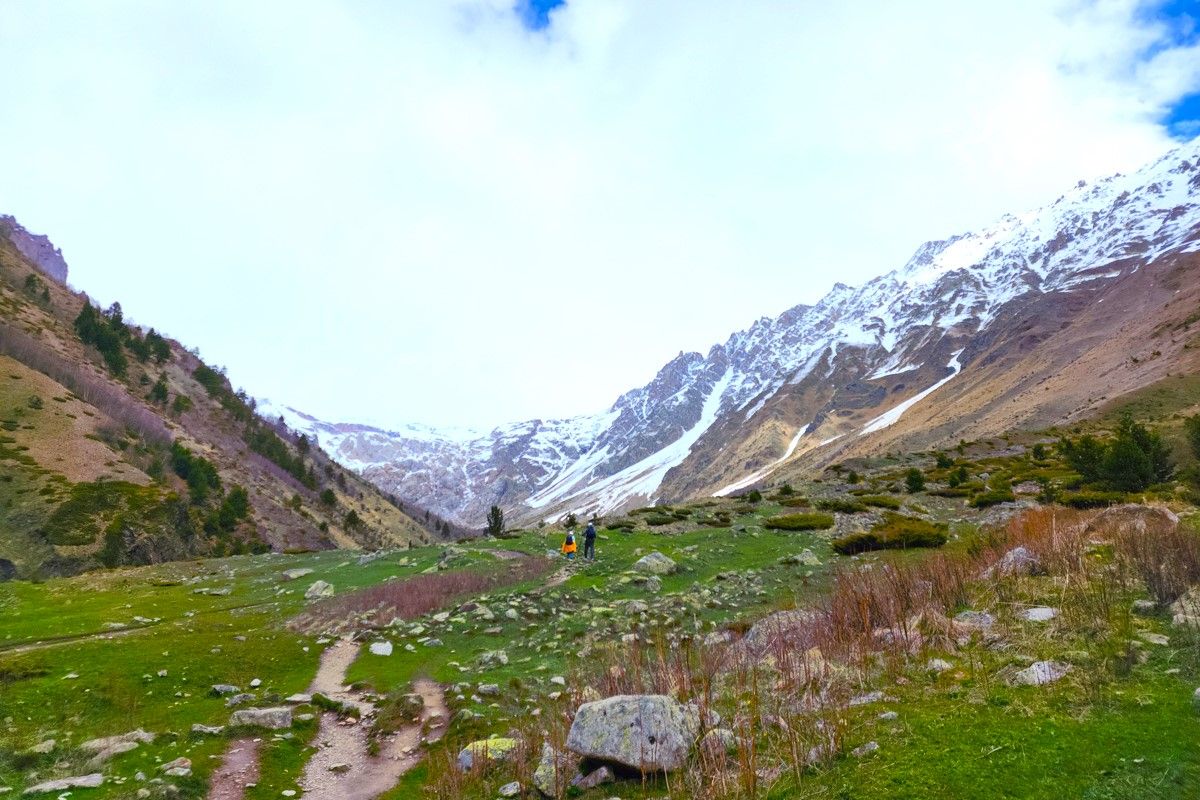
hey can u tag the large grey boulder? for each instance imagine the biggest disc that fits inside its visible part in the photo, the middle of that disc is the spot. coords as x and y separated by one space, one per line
649 732
1133 516
655 564
293 574
270 718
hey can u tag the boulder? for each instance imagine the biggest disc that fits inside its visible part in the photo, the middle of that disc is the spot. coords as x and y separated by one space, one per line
63 784
805 558
510 789
318 589
208 730
293 574
655 564
1132 516
486 751
380 648
651 733
554 772
1018 561
270 718
1185 612
224 688
976 620
1040 673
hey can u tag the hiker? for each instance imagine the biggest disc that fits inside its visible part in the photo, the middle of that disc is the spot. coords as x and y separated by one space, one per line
589 542
568 546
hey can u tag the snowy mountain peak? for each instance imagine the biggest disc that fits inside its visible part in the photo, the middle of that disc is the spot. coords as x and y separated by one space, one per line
950 289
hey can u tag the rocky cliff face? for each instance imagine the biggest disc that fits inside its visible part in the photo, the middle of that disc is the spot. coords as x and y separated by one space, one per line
851 374
40 251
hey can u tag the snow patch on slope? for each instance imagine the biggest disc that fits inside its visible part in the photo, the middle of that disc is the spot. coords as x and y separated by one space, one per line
892 416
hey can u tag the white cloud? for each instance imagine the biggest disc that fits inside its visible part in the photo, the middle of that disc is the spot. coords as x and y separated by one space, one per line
425 212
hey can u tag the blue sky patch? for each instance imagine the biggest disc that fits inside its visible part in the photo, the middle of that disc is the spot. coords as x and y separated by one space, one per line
536 13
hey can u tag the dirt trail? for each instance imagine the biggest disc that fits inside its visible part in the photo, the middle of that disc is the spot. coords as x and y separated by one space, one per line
342 768
238 768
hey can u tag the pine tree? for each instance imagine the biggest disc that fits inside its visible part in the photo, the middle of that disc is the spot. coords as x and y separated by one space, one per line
914 481
495 521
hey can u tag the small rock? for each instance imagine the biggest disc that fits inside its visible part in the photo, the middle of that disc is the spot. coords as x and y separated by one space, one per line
1040 673
381 648
293 574
208 730
554 771
938 665
510 789
224 688
596 777
865 749
271 718
63 784
1039 614
655 564
486 751
254 684
179 768
318 590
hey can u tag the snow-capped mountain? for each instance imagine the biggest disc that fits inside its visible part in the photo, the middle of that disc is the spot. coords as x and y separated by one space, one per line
837 377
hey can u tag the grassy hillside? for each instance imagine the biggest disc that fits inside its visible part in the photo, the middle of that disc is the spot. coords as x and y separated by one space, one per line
118 446
140 647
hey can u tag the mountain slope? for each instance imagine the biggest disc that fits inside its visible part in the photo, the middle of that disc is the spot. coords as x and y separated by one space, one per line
128 449
975 333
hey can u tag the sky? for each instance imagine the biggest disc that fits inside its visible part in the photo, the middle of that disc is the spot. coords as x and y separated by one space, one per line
469 212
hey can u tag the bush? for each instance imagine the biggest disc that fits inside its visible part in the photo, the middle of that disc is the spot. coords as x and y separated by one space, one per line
795 502
992 497
914 481
841 505
951 491
1091 499
658 520
752 496
881 501
799 522
895 532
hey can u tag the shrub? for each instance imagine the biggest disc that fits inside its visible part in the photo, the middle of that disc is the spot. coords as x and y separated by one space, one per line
841 505
328 497
952 491
752 496
852 478
992 497
895 532
914 481
795 502
181 404
799 522
658 520
943 461
1088 499
881 501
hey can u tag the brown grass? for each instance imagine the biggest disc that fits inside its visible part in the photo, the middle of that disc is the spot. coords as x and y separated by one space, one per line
418 595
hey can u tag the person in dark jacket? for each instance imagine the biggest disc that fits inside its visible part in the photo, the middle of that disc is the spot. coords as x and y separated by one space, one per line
589 542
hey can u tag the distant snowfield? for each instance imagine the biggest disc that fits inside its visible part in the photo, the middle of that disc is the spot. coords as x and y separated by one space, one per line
750 480
638 480
892 416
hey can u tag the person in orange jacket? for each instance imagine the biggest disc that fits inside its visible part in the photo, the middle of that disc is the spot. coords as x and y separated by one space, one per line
568 546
